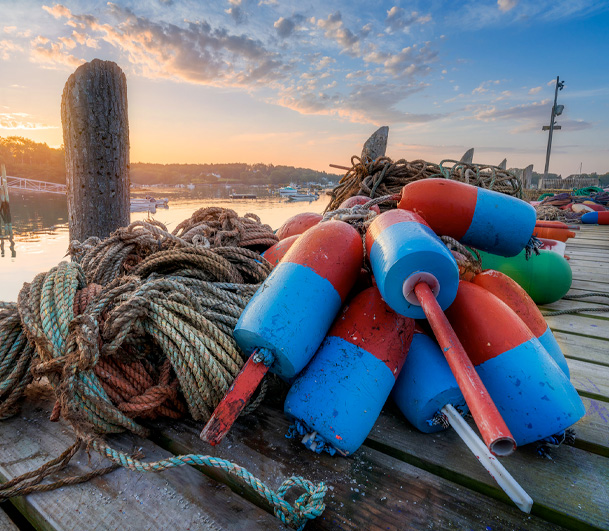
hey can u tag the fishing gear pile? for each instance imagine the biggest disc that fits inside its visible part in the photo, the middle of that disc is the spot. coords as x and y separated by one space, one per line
570 207
139 326
383 176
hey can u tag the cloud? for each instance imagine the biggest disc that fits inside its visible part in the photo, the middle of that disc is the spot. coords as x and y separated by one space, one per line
196 53
7 48
566 126
85 40
284 27
237 14
484 86
535 90
19 120
536 111
373 103
335 30
398 20
506 5
409 61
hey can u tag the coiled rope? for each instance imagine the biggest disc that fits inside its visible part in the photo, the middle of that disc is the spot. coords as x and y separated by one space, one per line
383 177
155 342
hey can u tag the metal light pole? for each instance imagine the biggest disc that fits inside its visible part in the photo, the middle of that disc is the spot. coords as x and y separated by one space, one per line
556 111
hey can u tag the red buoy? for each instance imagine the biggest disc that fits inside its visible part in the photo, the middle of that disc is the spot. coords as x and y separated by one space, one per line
359 200
514 295
337 398
288 317
553 233
487 220
275 253
534 397
298 224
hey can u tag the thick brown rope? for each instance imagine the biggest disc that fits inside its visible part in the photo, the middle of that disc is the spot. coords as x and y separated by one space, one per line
381 177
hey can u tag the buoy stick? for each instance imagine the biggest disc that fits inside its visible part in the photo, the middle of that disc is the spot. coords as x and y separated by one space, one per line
492 427
498 472
234 401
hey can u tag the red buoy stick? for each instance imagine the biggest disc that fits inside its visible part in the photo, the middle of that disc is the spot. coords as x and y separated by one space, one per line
492 427
234 401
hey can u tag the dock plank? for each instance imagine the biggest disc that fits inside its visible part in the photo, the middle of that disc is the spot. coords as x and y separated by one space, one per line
6 524
580 325
370 490
592 432
583 348
572 489
174 499
589 379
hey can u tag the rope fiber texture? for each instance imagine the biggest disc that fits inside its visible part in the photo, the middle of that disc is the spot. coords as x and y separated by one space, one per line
140 326
383 177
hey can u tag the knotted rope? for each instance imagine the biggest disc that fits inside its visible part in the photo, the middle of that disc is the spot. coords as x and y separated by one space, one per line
382 177
223 227
154 343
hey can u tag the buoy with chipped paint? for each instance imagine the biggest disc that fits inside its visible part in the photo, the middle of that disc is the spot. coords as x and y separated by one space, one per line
336 400
288 317
418 277
427 393
403 250
554 246
275 253
487 220
532 393
298 224
512 294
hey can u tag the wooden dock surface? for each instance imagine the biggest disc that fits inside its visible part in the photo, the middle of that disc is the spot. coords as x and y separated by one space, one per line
400 478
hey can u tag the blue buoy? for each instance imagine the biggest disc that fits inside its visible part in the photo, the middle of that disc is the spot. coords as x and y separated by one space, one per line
336 400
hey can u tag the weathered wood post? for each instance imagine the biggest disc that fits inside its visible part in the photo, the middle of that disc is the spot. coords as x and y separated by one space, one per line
376 146
96 140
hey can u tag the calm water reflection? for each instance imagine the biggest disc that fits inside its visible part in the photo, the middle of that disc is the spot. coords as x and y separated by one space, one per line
41 231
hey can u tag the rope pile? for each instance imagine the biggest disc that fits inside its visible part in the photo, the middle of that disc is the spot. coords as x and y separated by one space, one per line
549 208
139 326
222 227
382 177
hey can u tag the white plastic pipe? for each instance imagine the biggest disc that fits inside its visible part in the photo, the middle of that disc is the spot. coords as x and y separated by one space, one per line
498 472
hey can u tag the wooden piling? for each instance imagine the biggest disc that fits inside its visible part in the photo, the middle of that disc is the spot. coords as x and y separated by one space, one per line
96 140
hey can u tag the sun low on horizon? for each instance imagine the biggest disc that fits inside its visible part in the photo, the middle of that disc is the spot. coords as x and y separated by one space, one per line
304 84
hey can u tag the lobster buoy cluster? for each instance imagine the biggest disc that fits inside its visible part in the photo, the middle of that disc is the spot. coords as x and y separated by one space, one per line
345 346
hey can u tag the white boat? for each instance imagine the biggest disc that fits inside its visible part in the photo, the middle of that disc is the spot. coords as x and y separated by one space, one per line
142 204
303 197
287 191
144 201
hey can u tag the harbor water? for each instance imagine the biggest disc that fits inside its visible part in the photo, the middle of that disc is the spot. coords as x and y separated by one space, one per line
40 225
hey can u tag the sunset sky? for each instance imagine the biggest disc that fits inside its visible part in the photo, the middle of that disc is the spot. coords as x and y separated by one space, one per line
305 83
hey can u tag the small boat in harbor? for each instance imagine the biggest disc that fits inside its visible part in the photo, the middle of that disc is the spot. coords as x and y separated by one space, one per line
302 197
242 196
148 203
287 191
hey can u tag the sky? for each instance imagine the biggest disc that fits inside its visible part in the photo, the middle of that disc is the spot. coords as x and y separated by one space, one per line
305 83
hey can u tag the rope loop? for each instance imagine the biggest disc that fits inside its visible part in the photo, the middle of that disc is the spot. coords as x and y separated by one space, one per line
307 506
